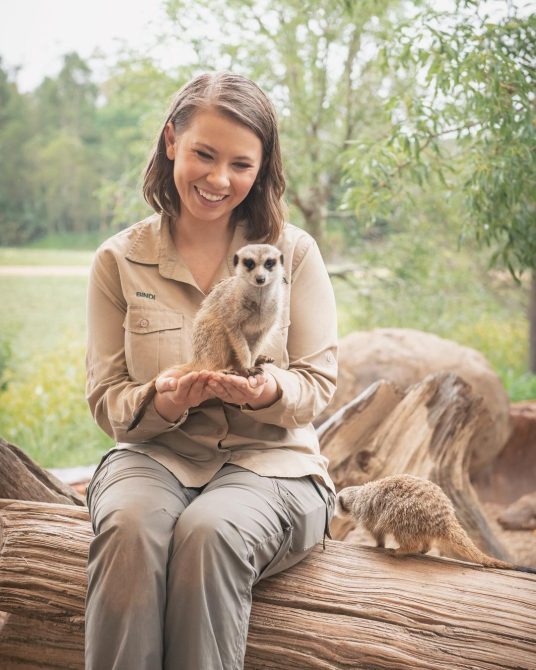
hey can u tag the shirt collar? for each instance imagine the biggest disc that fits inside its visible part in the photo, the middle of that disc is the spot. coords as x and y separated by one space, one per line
153 245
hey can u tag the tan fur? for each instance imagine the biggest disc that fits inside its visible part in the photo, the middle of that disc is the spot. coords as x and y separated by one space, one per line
235 319
416 512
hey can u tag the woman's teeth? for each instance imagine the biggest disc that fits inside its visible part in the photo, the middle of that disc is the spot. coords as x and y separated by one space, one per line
210 196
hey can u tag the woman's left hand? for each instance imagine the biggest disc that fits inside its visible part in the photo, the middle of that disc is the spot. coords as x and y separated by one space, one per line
257 392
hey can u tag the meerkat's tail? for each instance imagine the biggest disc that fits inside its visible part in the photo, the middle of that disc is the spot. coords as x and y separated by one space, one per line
138 415
457 541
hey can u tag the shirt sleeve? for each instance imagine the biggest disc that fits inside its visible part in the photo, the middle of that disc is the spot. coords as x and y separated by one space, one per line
308 385
112 396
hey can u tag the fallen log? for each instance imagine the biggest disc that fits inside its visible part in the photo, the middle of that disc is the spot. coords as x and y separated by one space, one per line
429 431
22 479
346 607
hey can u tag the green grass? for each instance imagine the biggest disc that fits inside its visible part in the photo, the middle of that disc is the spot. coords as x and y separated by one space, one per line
84 241
42 346
408 282
39 257
35 313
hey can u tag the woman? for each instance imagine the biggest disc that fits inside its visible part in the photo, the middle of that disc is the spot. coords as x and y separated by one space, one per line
221 483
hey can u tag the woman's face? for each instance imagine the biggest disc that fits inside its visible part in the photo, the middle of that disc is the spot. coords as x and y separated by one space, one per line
216 161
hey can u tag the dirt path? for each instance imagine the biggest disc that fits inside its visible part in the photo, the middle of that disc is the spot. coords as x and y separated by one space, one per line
44 271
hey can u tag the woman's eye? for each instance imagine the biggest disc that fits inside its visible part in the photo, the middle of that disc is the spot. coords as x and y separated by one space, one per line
242 166
203 154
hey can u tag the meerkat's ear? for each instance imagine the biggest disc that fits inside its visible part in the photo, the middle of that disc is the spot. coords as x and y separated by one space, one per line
281 259
235 260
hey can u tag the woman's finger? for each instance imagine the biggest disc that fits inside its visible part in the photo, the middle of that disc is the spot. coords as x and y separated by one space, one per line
164 384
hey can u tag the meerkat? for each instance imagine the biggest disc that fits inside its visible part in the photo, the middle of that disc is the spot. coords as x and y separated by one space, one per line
417 513
235 319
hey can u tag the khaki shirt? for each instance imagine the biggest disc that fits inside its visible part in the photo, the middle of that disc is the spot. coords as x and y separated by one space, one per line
141 304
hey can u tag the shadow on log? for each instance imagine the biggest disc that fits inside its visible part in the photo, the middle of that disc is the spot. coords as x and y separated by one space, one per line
343 608
429 431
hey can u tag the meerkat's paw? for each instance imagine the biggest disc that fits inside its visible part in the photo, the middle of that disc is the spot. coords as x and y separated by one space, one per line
261 360
238 373
253 371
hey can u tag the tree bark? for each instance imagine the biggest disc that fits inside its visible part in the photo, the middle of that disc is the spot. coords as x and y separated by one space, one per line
21 478
429 432
346 607
532 323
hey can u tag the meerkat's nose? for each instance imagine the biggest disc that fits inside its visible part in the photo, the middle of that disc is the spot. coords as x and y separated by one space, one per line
260 279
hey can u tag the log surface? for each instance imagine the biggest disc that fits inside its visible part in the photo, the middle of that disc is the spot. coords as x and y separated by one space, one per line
345 608
22 479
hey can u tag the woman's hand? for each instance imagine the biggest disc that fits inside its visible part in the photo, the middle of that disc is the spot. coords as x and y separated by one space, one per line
257 392
176 392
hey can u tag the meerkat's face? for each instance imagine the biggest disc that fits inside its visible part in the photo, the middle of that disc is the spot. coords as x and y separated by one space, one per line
345 500
259 264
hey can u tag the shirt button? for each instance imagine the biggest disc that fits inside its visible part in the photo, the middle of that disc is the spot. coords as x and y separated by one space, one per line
143 323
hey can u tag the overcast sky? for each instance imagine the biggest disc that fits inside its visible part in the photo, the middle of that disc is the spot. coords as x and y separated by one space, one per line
35 33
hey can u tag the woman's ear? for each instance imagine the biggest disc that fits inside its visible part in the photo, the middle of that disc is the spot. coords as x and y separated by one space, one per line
169 136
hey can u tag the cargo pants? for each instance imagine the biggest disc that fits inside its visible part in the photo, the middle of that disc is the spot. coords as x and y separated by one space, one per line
171 568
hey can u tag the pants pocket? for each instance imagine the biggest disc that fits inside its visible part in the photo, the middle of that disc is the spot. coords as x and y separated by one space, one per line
307 511
96 481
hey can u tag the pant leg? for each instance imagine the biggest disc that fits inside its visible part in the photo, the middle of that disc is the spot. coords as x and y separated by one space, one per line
241 528
134 503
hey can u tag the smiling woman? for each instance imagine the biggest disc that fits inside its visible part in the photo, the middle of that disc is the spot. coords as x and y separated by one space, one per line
221 482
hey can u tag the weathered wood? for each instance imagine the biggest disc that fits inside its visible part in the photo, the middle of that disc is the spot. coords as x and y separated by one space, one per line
343 608
22 479
429 431
30 643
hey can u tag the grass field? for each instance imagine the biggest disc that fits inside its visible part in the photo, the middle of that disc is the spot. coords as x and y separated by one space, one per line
397 284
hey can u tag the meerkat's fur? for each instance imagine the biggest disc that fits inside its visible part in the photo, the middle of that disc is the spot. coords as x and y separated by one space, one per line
417 513
235 319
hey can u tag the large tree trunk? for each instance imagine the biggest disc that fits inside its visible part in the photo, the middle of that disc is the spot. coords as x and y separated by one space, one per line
429 432
532 323
345 607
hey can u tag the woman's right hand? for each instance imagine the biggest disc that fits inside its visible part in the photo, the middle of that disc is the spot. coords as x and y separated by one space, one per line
176 392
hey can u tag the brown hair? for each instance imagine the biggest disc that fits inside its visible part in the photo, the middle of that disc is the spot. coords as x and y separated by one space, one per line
241 100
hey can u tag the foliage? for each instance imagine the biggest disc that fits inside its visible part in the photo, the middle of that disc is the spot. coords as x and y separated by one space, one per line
314 60
468 125
77 149
45 412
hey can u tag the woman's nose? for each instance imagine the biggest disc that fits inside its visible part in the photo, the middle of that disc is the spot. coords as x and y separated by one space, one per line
218 178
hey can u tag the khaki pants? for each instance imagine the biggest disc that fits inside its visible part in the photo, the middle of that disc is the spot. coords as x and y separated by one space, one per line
171 568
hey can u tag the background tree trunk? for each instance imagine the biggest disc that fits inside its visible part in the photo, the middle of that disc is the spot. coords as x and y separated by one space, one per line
532 323
429 431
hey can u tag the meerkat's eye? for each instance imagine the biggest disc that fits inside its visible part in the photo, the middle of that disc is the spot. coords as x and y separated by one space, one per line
269 264
249 263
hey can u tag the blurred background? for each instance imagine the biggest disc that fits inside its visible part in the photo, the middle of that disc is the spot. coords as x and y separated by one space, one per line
408 133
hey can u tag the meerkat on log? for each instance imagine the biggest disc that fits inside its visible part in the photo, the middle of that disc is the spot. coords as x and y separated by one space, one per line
417 513
235 319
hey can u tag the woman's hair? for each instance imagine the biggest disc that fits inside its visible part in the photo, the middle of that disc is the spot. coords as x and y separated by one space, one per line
241 100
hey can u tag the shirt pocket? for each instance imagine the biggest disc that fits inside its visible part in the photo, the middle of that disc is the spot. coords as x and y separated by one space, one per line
153 341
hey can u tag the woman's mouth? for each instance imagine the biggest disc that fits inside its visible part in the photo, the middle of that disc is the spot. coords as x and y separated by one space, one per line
210 199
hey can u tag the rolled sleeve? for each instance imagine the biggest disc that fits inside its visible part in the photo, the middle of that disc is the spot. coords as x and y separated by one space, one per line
112 396
308 385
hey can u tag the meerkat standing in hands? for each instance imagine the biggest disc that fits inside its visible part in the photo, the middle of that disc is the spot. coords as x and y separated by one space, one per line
235 319
417 513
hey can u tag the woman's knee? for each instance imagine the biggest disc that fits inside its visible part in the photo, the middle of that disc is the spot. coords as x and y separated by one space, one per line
133 521
206 530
